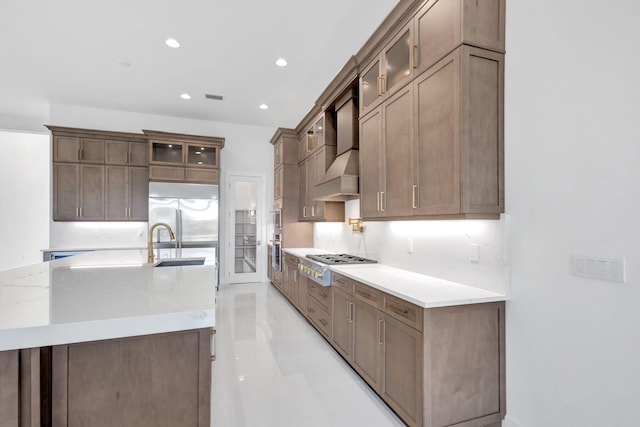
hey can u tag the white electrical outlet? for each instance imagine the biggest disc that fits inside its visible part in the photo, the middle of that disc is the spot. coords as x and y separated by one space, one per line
474 254
410 246
611 269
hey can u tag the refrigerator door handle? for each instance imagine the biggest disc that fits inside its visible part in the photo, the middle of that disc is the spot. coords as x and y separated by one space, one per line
178 228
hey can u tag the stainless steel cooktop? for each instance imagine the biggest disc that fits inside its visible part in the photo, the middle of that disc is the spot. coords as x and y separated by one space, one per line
337 259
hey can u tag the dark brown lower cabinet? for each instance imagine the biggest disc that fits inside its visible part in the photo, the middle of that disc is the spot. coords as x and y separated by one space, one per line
20 389
152 380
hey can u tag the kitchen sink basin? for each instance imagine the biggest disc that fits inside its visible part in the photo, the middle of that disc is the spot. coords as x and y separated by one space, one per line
177 262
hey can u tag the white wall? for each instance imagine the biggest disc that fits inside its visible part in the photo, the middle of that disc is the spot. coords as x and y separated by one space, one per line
24 198
572 160
440 248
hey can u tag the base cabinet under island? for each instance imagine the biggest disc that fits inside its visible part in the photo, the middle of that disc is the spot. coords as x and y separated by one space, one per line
150 380
435 367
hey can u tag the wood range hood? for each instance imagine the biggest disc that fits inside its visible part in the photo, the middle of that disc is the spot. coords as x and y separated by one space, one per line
340 182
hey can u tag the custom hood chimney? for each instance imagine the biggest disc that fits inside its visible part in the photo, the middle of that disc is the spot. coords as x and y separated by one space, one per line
340 182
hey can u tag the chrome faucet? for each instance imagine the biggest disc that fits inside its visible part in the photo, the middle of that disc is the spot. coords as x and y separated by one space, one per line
153 227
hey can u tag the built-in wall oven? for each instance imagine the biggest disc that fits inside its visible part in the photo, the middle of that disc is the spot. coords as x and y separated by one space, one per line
276 255
276 241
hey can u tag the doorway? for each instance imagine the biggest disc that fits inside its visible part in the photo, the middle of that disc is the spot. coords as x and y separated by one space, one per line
245 213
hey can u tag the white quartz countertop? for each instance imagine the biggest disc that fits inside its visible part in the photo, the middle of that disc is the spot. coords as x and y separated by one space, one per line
422 290
102 295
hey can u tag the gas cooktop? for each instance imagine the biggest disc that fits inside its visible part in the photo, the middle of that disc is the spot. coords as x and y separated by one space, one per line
334 259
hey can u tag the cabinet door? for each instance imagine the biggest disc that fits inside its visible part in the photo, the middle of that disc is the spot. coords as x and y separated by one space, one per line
91 192
9 388
302 294
441 26
117 193
293 283
401 385
167 153
200 155
92 150
66 149
302 183
66 191
286 279
398 61
370 87
396 199
438 26
277 154
116 152
138 194
370 142
153 380
437 142
311 182
342 338
138 154
302 148
278 182
367 338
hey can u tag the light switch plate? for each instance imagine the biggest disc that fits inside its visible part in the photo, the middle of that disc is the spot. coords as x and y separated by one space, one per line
601 268
474 254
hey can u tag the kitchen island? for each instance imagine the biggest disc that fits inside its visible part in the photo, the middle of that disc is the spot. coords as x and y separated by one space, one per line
106 339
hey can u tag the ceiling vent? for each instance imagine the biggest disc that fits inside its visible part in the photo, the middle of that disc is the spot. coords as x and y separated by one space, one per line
215 97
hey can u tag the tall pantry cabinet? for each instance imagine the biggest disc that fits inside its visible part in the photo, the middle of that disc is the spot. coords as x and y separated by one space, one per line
286 190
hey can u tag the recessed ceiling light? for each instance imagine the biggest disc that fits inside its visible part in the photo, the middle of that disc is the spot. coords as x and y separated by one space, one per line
281 62
172 43
264 107
185 96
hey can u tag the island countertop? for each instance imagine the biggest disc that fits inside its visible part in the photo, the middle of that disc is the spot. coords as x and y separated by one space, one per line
102 295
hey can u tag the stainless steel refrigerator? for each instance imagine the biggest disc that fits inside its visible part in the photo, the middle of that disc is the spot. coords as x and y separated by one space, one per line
192 212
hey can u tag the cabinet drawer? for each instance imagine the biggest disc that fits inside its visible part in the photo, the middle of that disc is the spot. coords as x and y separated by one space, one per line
202 175
404 311
322 294
291 259
166 173
369 295
320 318
343 283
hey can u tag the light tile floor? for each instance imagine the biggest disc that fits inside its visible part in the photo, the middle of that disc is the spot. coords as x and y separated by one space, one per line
273 369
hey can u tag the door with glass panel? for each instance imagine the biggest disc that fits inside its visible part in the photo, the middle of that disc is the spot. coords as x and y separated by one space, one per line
245 217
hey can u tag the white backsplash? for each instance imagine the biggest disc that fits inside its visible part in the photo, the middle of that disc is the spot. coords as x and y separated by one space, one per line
96 235
440 248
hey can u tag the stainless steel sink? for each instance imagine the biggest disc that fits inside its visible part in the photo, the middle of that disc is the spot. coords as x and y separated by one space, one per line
177 262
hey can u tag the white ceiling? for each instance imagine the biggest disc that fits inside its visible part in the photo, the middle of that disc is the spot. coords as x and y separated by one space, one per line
67 52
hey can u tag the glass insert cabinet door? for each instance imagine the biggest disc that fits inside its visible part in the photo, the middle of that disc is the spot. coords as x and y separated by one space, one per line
398 60
245 224
199 155
167 153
